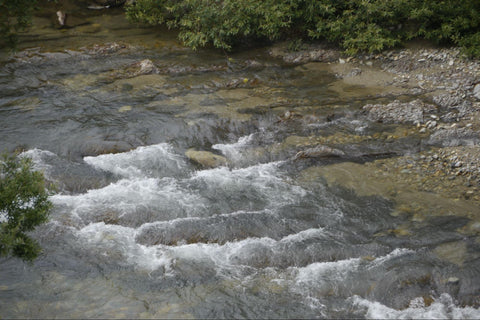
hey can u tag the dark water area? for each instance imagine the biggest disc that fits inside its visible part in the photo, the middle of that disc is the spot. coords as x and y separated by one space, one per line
140 230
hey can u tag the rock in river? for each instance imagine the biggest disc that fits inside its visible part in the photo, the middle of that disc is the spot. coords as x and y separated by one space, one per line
205 158
319 152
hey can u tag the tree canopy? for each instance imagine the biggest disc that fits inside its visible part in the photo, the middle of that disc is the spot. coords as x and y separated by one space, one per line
24 205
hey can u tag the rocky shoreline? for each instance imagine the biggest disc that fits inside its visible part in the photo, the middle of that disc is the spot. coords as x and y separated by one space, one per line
437 95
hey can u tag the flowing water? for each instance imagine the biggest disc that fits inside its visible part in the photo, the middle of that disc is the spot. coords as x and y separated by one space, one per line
140 231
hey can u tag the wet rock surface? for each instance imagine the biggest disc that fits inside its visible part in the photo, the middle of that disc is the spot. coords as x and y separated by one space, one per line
206 159
414 112
319 53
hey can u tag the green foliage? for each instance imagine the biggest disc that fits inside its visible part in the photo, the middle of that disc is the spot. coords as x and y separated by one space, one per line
449 22
15 16
221 23
24 205
355 25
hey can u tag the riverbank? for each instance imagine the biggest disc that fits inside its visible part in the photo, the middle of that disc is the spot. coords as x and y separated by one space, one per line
436 93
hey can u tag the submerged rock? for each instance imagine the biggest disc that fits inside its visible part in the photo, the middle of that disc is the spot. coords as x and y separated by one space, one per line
140 68
319 151
454 252
205 158
95 148
312 53
106 49
139 83
145 66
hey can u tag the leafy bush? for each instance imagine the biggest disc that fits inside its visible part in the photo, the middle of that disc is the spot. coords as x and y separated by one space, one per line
24 205
355 25
15 16
220 23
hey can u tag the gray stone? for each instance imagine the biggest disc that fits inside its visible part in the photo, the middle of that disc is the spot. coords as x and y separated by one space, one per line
413 112
451 137
447 100
319 152
476 91
205 158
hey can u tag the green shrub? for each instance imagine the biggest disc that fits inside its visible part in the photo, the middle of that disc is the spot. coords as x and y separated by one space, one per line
221 23
449 22
355 25
24 205
15 16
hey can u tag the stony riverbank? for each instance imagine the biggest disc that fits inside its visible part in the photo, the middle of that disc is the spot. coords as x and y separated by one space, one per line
436 94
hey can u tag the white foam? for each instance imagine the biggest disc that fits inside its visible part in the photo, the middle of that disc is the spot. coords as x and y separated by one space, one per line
173 222
141 162
395 253
240 253
228 254
441 308
39 157
127 195
304 235
117 244
317 273
189 197
234 150
262 181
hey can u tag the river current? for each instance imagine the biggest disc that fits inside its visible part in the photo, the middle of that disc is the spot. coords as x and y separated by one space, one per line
139 230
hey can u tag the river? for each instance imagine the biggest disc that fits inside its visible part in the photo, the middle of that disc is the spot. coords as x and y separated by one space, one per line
140 230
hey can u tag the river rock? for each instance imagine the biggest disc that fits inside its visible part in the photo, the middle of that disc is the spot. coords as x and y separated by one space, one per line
143 67
95 148
205 158
476 91
317 53
447 100
138 84
106 49
413 112
319 151
451 137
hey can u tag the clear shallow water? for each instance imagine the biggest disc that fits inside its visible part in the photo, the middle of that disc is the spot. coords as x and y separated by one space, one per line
139 231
